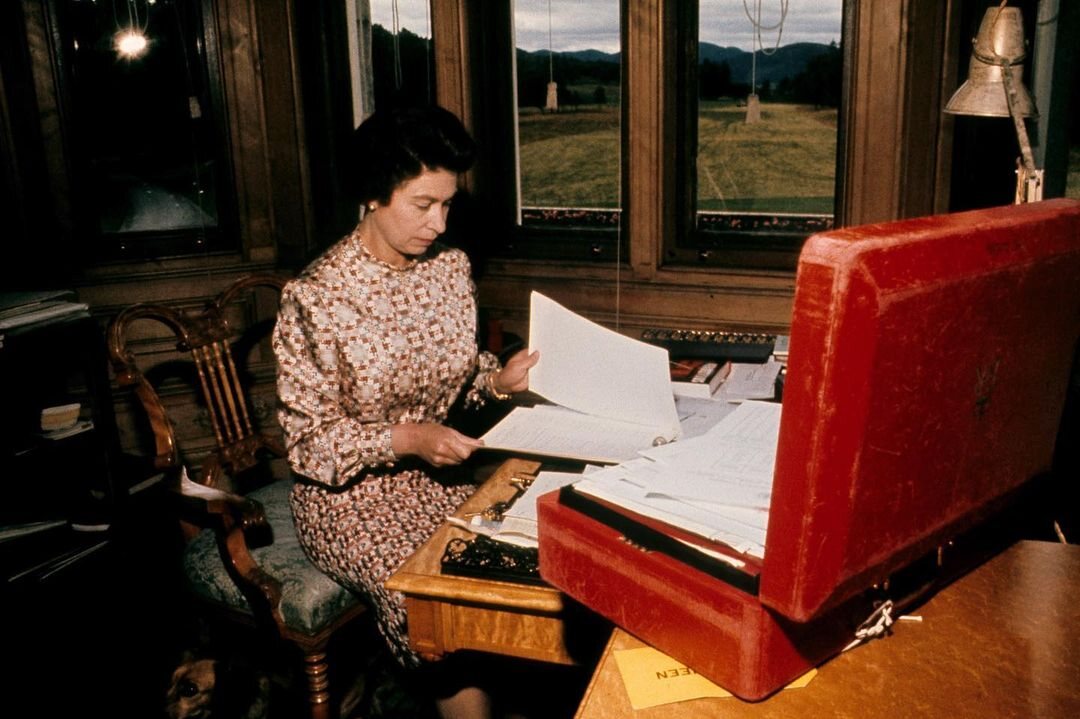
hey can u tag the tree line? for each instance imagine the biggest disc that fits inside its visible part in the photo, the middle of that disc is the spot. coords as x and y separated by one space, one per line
819 83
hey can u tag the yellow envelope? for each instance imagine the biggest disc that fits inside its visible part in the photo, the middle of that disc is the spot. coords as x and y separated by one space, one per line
653 678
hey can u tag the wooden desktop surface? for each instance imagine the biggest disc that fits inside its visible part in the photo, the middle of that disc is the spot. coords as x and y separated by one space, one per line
448 613
1003 641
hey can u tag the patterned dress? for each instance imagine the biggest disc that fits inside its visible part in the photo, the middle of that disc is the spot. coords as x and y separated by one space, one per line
361 346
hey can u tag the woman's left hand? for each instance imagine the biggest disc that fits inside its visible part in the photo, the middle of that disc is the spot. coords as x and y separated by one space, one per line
514 376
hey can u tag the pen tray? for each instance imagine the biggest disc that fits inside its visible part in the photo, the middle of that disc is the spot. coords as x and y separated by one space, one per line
485 558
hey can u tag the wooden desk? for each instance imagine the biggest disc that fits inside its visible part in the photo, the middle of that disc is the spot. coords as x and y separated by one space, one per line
1003 641
448 613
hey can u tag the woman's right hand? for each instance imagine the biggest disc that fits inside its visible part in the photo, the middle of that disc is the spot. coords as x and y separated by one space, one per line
436 444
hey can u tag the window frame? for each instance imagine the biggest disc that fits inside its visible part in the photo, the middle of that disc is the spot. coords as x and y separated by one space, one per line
738 239
98 246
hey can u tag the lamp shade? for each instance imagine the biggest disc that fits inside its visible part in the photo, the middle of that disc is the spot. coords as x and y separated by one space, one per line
999 48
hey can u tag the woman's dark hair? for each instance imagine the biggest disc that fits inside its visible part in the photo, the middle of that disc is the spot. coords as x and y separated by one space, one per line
396 145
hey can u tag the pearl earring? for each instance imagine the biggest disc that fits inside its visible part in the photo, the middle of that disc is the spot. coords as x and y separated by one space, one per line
371 207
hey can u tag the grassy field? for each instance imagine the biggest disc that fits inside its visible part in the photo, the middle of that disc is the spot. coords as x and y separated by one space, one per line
570 159
785 163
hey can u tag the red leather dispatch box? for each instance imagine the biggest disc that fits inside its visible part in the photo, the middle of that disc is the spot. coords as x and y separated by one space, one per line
928 366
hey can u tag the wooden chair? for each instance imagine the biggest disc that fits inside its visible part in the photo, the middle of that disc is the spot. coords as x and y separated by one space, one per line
243 557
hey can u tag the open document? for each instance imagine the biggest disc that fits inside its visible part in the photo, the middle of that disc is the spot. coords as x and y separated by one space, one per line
611 395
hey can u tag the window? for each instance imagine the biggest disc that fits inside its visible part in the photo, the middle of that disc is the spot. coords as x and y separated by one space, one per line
587 120
899 62
567 89
769 76
567 83
150 173
768 99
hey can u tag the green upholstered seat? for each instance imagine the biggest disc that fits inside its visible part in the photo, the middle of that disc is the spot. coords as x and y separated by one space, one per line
310 600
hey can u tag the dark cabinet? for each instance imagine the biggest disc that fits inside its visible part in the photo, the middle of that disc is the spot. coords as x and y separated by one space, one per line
97 612
63 476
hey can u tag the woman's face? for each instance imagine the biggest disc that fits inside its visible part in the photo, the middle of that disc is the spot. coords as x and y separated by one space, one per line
414 217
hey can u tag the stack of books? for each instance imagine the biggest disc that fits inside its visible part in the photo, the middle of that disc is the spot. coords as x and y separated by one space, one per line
698 377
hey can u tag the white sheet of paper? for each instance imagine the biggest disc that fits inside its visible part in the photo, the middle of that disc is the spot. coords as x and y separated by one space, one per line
519 532
596 371
511 531
519 524
560 432
731 461
697 416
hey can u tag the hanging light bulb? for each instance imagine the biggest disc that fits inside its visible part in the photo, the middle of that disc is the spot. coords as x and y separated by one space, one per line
131 42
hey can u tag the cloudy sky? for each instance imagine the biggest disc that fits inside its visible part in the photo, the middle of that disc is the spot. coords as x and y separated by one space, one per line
594 24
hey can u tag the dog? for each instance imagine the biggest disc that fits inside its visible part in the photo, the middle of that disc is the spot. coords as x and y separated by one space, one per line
204 687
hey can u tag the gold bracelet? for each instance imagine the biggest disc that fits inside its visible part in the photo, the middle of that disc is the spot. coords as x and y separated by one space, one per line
501 396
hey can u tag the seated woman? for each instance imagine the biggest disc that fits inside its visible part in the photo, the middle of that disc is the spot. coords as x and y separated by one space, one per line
374 341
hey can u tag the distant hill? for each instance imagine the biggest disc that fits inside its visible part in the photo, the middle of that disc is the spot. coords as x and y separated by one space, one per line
787 61
589 55
716 53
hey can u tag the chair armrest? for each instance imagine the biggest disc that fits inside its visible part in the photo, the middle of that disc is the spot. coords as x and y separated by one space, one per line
239 525
217 508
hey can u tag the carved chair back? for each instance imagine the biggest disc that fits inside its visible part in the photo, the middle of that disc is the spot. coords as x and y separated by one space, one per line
208 337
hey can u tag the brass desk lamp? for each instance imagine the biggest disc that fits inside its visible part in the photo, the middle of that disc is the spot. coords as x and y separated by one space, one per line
995 88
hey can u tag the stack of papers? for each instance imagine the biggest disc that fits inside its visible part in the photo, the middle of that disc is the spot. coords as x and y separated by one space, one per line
717 485
14 531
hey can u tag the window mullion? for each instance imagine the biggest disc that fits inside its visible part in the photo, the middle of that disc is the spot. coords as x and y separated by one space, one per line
649 182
